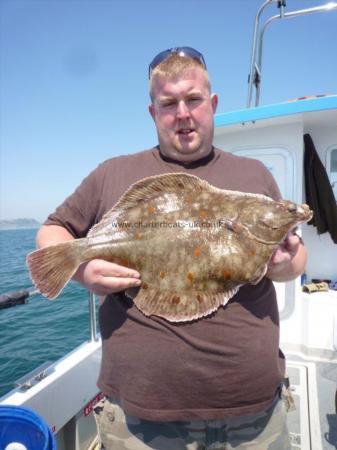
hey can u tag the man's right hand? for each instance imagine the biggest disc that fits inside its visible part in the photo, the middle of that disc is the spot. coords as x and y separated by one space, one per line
103 277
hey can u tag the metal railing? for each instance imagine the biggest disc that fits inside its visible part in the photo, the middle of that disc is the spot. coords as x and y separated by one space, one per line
255 75
92 317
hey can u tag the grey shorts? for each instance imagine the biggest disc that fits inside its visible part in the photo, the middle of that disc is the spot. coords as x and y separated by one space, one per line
264 431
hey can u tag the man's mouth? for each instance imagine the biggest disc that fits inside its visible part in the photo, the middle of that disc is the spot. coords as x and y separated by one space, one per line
185 131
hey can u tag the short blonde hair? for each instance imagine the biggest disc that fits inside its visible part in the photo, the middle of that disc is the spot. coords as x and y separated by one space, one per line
174 66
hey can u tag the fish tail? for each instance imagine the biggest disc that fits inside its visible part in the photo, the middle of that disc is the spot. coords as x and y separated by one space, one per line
52 267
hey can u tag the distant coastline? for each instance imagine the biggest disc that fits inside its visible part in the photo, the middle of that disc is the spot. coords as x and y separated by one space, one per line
16 224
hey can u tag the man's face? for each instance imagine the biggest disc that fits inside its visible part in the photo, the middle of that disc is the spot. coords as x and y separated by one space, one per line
183 110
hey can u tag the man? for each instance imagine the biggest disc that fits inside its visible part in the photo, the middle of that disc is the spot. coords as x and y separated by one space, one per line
209 384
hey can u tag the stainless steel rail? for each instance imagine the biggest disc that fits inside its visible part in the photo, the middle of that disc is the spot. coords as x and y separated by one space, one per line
255 75
92 317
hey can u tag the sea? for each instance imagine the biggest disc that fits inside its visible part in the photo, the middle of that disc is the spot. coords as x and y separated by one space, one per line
41 330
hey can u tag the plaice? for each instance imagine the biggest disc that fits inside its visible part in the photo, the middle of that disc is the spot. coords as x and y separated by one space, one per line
193 244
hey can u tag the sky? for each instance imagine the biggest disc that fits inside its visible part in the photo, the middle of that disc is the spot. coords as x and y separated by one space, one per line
74 87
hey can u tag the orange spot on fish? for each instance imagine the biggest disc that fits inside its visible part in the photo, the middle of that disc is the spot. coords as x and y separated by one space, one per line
145 286
252 253
202 214
151 209
226 274
199 298
124 262
175 299
190 277
162 274
137 235
197 252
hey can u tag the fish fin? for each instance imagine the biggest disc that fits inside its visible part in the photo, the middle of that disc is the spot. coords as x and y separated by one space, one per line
181 306
150 187
52 267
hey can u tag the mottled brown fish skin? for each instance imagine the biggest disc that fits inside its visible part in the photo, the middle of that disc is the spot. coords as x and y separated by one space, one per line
193 244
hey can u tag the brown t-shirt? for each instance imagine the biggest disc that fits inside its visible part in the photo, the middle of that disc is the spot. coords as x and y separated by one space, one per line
227 364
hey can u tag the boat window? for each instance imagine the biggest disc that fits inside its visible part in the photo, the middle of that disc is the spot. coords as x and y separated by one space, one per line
332 169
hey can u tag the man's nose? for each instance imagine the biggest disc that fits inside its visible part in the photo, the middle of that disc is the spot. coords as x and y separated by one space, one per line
182 110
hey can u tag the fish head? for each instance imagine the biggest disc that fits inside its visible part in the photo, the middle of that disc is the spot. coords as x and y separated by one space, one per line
273 220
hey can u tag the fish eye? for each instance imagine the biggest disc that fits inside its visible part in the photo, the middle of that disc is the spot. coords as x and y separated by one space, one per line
292 207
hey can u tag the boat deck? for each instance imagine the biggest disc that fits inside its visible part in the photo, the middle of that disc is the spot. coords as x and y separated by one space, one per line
313 424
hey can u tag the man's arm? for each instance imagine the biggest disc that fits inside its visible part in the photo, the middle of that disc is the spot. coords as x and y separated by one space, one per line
52 234
98 276
288 261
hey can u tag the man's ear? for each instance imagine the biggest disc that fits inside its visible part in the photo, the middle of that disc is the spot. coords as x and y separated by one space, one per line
152 111
214 100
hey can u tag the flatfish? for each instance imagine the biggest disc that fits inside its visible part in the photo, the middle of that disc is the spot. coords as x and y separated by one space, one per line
193 244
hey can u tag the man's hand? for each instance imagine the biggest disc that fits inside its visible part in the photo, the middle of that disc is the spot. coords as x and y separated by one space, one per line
102 277
288 260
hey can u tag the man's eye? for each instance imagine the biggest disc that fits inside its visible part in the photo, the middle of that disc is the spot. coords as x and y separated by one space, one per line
194 99
168 104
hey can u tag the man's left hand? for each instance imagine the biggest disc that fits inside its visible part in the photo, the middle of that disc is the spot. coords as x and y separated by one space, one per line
288 260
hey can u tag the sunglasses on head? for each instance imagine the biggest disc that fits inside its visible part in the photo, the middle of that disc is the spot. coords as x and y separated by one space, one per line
181 51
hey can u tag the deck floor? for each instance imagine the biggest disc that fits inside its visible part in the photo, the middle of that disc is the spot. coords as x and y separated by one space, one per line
313 425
